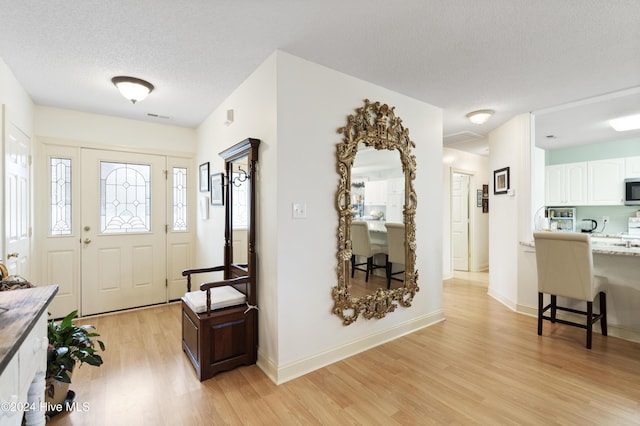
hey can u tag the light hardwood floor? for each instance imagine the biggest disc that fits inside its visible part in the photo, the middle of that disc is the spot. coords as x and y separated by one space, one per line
483 365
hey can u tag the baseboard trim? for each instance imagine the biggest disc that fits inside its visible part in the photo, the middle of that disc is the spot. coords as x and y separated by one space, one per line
287 372
613 330
502 299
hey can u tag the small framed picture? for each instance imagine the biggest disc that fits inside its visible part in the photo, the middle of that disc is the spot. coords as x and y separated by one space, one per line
479 198
485 205
501 181
485 191
204 177
204 207
217 189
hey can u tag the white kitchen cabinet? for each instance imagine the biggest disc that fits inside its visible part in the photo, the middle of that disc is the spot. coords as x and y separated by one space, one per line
375 193
632 167
566 184
605 182
395 200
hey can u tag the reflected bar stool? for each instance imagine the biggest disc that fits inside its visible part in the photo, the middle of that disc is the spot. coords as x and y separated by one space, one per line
396 248
565 268
361 246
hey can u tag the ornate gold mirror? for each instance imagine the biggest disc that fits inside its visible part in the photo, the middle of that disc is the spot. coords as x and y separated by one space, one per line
373 141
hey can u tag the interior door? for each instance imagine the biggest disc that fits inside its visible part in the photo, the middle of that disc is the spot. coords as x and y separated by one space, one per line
17 195
123 230
460 221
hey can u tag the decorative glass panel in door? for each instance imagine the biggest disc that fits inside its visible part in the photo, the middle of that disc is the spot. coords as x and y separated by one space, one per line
125 197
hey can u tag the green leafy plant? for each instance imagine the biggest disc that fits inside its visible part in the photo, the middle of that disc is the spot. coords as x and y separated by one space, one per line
68 345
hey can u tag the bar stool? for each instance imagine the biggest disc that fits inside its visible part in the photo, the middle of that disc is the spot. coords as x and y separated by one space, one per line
361 246
565 268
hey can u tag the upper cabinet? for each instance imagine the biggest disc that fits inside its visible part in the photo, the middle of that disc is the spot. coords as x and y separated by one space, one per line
589 183
375 193
605 185
395 200
632 167
566 184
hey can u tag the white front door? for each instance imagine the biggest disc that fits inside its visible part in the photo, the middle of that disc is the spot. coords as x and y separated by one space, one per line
17 195
123 235
460 221
112 270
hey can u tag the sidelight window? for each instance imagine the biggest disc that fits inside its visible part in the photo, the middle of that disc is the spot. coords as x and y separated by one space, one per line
179 200
60 208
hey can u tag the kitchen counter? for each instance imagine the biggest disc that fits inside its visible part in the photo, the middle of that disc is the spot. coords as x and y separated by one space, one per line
611 259
609 244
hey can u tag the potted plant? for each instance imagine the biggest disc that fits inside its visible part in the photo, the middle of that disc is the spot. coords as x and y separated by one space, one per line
68 344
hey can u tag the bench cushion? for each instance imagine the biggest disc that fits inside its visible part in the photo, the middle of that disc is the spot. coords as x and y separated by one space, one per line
221 297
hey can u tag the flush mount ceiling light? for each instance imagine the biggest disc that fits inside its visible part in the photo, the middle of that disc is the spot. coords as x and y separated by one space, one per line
480 116
622 124
132 88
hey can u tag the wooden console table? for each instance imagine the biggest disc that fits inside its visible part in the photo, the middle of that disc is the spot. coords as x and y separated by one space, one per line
23 354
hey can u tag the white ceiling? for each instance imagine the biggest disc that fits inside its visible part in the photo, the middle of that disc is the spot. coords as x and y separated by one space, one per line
586 121
513 56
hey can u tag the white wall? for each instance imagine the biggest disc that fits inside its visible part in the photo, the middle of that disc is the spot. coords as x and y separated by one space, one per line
478 166
18 104
295 108
102 131
509 145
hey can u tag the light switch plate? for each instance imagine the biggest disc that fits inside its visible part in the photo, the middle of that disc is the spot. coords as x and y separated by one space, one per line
299 210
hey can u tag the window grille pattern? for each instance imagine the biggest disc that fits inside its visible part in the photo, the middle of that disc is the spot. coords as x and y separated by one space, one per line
60 209
179 202
125 197
240 199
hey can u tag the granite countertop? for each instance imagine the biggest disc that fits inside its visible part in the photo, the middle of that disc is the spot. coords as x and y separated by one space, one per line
19 310
607 244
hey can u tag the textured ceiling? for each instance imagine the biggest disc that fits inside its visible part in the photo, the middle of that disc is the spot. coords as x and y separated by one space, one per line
513 56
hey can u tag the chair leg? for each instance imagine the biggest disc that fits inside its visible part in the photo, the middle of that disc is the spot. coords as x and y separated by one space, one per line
369 268
553 308
589 323
603 312
389 264
540 307
353 265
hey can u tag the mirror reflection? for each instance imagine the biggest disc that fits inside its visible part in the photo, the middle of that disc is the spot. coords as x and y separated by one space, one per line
377 199
239 200
376 205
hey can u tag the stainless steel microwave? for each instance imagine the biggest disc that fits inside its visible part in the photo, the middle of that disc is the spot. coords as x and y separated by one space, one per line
632 192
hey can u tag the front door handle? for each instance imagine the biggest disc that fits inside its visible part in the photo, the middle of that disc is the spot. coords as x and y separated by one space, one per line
14 254
87 241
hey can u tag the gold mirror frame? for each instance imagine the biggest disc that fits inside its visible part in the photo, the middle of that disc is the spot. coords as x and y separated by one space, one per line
377 126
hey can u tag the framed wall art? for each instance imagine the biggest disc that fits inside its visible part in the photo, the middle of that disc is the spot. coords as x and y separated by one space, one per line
217 186
501 181
204 177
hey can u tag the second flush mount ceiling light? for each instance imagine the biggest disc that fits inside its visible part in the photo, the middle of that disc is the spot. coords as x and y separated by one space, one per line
481 116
